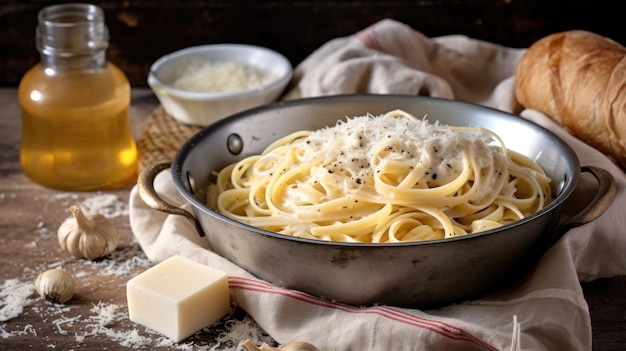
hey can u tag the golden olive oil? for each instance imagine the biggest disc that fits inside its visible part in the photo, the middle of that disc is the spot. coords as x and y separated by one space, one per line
76 132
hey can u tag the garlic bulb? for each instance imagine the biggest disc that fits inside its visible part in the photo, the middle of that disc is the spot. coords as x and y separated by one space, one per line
292 346
87 236
55 285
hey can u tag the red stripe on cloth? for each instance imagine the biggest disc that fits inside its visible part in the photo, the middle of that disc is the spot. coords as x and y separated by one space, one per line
442 328
370 39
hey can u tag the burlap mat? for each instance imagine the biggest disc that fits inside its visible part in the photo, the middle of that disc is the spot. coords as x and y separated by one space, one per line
161 138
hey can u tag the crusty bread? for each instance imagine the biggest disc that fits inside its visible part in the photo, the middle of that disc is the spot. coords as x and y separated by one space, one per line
578 78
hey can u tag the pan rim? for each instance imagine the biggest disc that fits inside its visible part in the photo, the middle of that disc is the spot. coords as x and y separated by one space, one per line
567 188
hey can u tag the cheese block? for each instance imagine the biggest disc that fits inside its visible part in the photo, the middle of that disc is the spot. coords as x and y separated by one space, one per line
178 297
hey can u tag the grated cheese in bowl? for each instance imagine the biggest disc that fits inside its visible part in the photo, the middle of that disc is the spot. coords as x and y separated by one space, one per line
221 76
202 84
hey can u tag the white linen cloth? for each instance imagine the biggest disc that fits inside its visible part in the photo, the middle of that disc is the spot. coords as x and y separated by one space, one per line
545 311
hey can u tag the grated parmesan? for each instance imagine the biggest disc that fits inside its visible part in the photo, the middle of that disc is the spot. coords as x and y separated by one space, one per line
221 76
351 145
107 205
14 296
121 261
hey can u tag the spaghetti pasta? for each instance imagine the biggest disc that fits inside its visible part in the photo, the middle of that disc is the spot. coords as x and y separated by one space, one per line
380 179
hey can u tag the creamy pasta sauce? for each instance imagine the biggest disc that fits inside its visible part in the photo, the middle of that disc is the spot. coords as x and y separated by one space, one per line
387 178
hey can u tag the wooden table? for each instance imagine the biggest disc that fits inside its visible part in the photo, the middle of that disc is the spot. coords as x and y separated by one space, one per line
97 317
29 217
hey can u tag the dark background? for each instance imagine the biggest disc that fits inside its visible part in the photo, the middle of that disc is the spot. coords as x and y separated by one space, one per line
142 31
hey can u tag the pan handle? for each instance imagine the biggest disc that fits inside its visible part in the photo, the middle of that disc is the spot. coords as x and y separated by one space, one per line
145 188
607 189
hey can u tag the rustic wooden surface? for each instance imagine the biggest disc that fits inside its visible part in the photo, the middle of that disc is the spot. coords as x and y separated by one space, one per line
30 215
142 31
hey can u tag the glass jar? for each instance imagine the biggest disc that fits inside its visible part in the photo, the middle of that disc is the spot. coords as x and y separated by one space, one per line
76 132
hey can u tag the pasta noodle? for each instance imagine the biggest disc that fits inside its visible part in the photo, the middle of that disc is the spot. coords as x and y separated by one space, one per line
380 179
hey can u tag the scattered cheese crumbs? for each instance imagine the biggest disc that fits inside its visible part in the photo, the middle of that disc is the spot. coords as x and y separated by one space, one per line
65 322
99 323
178 297
122 261
28 330
17 297
246 329
105 321
14 296
108 205
63 196
221 76
106 314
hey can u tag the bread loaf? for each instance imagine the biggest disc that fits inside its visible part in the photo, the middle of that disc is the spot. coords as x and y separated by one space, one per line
578 78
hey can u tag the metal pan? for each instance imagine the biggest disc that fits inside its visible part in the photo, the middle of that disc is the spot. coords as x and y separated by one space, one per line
417 274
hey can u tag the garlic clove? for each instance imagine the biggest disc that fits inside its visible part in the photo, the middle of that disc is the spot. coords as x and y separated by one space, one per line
248 345
55 285
87 236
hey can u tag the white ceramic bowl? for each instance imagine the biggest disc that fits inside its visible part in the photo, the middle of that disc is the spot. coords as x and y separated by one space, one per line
204 108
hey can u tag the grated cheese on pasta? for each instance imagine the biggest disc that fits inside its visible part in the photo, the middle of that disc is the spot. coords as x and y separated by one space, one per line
351 144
